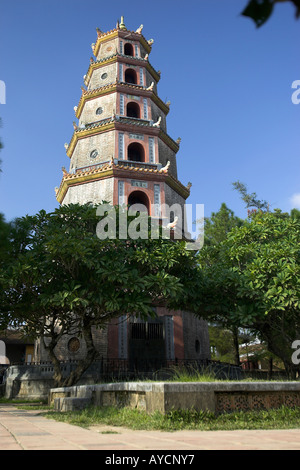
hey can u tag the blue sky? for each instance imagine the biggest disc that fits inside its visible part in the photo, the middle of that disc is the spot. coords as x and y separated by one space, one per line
229 85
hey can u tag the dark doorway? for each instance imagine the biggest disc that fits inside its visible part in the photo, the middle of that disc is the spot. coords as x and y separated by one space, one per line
133 110
130 76
136 152
138 197
128 49
147 345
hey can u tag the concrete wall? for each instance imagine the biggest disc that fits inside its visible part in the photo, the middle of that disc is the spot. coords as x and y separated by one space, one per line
215 397
104 143
108 48
196 337
94 191
33 382
106 102
64 350
110 72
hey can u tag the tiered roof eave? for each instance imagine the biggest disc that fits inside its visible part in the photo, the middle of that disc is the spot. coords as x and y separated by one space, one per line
122 87
118 123
122 33
115 168
117 56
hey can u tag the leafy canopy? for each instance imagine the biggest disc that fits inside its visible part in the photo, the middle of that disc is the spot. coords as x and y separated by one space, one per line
61 279
253 279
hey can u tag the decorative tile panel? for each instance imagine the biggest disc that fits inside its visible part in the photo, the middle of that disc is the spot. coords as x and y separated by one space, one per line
243 401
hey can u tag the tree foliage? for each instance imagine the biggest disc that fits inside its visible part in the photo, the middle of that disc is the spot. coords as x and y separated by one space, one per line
1 146
251 200
261 10
219 224
216 229
253 280
61 279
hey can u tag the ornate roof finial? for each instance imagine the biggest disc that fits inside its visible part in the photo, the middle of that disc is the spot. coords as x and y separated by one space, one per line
165 168
150 88
139 30
172 224
122 24
157 123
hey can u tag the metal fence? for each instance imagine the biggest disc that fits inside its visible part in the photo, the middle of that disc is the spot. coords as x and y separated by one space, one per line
104 370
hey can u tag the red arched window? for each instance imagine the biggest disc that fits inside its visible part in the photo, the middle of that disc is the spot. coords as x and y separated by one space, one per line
135 152
130 76
128 49
133 110
139 197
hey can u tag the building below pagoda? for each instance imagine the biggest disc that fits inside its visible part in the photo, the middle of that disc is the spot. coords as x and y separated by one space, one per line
121 152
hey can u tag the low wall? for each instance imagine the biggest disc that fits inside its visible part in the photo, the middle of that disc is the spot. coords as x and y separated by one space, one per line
216 397
34 381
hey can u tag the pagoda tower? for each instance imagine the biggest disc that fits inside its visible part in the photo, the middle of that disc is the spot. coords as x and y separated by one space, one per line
120 152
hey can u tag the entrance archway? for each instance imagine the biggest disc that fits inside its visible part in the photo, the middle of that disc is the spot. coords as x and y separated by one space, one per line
147 346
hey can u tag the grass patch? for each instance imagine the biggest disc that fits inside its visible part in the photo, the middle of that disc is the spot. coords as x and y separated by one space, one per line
282 418
188 375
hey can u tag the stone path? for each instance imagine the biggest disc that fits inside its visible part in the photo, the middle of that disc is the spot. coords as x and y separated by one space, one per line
28 430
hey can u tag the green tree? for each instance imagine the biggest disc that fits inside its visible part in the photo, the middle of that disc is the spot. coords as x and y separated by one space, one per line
221 343
253 280
1 146
250 200
5 229
216 229
295 214
219 224
62 279
261 10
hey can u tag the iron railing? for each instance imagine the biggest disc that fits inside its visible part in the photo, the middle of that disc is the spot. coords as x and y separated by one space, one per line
131 369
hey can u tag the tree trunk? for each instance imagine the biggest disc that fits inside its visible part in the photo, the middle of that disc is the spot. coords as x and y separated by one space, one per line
57 376
83 364
235 333
270 371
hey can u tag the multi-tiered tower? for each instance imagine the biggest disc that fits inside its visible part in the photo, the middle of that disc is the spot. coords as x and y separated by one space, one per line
120 152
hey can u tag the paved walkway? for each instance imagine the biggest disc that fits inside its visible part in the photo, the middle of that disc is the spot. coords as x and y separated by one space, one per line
28 430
